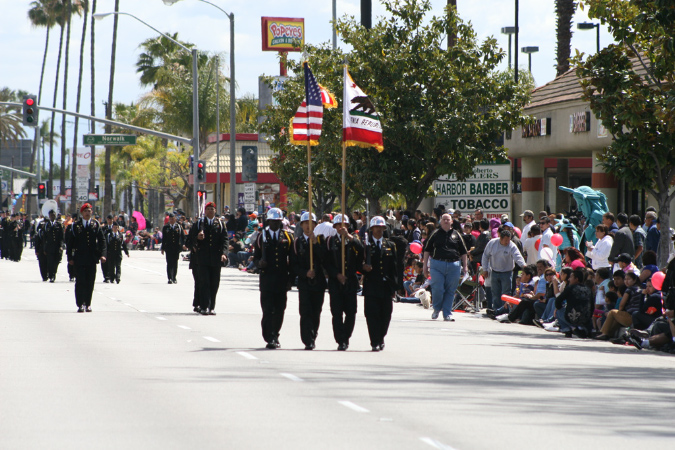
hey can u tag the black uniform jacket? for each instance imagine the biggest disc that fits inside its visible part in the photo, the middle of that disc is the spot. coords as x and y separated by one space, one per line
276 276
354 254
115 245
86 245
381 281
300 263
52 237
213 246
172 238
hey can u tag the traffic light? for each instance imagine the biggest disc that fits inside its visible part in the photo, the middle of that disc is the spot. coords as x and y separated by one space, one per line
30 111
192 167
201 170
42 191
201 195
249 163
98 197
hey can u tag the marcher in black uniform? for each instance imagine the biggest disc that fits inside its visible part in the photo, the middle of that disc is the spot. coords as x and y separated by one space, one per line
86 246
52 245
192 246
107 228
379 283
270 254
172 243
14 238
311 280
38 242
343 288
115 245
210 237
68 233
4 223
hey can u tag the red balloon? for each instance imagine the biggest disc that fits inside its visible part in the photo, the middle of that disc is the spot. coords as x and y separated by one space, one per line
536 244
557 239
416 248
518 232
657 280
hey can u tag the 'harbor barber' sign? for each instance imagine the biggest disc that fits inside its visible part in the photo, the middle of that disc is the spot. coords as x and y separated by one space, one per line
489 189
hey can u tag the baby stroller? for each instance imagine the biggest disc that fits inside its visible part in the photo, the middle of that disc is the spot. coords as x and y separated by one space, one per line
470 294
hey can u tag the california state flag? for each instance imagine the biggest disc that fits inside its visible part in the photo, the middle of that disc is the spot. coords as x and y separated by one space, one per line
361 123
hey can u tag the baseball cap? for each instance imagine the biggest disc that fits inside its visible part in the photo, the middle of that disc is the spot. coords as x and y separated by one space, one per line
527 212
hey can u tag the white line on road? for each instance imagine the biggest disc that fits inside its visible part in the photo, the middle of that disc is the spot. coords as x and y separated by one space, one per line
291 377
435 444
184 327
209 338
142 310
247 355
353 406
128 304
160 318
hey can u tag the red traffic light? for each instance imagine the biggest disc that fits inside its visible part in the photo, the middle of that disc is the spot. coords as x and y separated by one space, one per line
30 101
200 193
200 166
41 186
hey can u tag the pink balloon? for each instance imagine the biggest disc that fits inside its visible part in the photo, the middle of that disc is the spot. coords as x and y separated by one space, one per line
556 239
657 280
416 248
518 232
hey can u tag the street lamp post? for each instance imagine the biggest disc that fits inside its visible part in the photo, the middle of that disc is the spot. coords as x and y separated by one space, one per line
195 92
233 123
529 51
515 59
590 26
509 31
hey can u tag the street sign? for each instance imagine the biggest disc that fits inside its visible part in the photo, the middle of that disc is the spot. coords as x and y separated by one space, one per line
93 196
109 139
249 206
249 193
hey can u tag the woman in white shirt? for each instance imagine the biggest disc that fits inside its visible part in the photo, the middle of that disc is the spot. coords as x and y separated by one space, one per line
600 251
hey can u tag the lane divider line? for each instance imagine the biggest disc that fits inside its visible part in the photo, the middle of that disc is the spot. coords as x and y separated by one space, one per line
247 355
211 339
291 377
184 327
435 444
353 406
160 318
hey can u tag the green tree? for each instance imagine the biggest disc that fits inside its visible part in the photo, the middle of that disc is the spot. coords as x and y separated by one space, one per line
564 11
443 109
630 89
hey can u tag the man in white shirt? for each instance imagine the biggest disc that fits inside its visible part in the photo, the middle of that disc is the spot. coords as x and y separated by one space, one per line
325 228
546 234
528 220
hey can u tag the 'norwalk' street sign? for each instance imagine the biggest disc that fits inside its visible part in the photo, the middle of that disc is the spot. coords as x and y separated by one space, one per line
109 139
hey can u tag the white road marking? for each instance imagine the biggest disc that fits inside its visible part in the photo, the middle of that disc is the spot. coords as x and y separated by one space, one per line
291 377
160 318
184 327
209 338
435 444
247 355
353 406
142 310
128 304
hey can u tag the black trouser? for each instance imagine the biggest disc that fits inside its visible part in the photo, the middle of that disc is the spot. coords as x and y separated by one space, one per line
104 269
42 262
661 327
273 304
171 264
311 303
209 282
195 277
114 267
343 309
85 277
52 264
523 311
641 320
72 272
378 315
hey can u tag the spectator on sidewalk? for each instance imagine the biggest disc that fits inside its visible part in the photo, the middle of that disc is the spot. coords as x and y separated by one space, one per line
499 258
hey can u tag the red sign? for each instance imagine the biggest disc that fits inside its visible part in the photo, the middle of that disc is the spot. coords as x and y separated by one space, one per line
282 34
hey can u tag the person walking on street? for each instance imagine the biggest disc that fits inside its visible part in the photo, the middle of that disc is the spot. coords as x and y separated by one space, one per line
52 245
501 255
106 228
86 247
210 236
271 251
311 280
342 287
172 243
116 245
445 260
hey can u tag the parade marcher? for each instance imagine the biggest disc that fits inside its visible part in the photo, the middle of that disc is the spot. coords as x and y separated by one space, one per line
3 234
209 236
85 246
445 260
52 245
271 255
106 228
115 245
343 287
172 243
68 234
311 280
39 253
379 282
191 244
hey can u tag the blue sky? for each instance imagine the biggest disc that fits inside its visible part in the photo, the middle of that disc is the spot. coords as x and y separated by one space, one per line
22 46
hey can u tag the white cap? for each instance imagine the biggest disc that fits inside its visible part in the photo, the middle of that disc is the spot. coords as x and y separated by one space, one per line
377 221
305 217
338 219
274 214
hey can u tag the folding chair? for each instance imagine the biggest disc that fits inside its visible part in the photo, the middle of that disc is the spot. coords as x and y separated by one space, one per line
469 295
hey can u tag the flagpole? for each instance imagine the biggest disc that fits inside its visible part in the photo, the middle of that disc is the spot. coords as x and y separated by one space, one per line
309 196
342 206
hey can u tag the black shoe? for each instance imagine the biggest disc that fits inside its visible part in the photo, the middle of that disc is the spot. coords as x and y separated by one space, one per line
271 346
174 281
640 334
538 323
601 337
211 312
87 309
310 346
490 313
118 281
169 282
105 281
45 279
582 334
342 347
51 280
80 309
196 309
382 346
568 334
376 348
635 341
204 312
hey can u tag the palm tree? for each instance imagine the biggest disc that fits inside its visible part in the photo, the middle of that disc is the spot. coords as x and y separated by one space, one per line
107 204
85 6
564 9
247 114
59 18
92 126
160 52
11 128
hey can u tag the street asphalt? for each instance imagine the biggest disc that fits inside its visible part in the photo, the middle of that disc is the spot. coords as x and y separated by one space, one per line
142 371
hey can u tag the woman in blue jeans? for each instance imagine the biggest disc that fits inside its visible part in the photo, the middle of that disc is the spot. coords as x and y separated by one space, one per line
443 252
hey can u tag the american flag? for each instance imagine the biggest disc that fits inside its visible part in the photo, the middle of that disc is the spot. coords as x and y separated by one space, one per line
309 114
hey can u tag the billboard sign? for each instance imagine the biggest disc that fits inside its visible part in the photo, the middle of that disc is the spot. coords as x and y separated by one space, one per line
282 34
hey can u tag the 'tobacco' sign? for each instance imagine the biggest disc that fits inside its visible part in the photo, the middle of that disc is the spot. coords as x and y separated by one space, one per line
489 189
282 34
